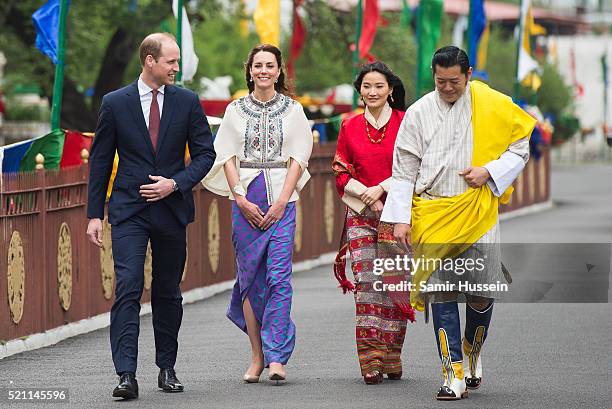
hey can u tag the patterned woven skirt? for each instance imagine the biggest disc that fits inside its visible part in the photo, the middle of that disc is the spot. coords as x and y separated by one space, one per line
263 261
381 326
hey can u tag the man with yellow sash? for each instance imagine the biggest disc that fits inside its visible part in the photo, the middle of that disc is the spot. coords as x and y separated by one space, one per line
457 152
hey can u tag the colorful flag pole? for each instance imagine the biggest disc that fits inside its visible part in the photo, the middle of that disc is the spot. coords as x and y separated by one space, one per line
188 64
297 40
58 85
267 21
406 16
356 51
179 39
525 64
371 15
476 25
520 39
429 16
604 69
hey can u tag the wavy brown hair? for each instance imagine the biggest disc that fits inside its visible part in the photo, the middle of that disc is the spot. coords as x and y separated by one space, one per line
280 86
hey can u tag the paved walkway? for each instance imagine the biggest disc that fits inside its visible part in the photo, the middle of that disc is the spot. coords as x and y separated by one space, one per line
538 355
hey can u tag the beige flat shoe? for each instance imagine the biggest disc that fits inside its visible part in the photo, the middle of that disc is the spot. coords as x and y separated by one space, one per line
250 378
277 374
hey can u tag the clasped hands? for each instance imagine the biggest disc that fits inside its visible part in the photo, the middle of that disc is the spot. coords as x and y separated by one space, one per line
371 197
256 217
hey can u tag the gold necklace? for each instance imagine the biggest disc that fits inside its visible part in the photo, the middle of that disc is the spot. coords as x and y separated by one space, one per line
384 129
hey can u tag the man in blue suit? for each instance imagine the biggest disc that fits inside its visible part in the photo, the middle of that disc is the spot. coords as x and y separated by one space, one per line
148 123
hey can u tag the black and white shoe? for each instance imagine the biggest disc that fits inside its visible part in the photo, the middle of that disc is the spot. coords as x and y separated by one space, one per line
455 391
473 379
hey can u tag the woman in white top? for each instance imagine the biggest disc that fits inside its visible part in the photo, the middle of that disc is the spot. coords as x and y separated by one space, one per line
263 146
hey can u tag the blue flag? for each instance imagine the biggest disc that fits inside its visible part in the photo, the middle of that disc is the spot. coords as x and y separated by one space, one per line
12 155
477 23
46 21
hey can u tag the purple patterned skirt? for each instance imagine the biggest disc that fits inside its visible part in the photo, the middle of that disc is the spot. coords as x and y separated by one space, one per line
263 265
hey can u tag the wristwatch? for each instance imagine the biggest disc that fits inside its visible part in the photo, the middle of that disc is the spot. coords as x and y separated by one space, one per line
175 187
239 190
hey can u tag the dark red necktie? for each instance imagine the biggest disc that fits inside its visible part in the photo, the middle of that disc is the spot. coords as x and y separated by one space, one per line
154 119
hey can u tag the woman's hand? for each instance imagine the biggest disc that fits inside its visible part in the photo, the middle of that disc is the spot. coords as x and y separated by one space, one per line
377 208
274 214
372 194
250 211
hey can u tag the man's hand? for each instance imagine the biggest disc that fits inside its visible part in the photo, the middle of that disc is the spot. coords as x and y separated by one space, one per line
158 190
402 234
94 231
475 176
372 194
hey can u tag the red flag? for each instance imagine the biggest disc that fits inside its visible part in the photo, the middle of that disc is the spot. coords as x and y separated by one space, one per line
577 86
368 56
74 143
371 15
297 39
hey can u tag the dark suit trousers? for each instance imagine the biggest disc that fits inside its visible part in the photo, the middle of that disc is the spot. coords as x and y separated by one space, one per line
168 245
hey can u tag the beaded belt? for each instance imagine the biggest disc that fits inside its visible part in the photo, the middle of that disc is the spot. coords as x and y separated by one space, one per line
262 165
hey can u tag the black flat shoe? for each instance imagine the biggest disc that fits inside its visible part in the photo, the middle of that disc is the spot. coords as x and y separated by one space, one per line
168 382
127 388
395 376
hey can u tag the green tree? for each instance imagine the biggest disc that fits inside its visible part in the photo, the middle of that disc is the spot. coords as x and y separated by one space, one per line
101 40
327 59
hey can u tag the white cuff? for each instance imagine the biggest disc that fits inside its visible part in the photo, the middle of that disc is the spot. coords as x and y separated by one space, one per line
398 206
386 184
504 171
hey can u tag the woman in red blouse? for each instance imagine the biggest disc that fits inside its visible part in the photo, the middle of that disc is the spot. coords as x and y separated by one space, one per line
362 165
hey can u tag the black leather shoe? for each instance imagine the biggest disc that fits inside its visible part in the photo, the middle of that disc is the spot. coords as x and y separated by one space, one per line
127 388
168 382
472 383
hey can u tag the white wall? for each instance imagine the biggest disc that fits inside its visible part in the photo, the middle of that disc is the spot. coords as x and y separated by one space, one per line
588 50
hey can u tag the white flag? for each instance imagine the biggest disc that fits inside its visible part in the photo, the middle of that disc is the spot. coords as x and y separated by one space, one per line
461 25
188 55
526 63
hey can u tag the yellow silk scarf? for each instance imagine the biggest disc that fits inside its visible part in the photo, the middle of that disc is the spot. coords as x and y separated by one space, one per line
446 227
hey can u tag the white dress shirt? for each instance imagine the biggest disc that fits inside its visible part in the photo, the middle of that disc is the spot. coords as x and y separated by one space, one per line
145 99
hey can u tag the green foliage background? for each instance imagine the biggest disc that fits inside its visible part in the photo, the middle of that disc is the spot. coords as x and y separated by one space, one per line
326 60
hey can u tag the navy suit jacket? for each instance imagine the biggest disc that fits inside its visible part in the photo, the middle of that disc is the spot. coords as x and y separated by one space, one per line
121 127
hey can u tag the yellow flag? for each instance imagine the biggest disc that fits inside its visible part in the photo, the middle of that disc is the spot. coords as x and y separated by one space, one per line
267 21
533 81
483 46
244 22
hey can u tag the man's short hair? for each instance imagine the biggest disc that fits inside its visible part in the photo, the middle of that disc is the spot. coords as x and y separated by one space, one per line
450 56
152 45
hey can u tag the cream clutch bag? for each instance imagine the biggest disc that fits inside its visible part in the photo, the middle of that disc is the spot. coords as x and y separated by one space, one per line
352 191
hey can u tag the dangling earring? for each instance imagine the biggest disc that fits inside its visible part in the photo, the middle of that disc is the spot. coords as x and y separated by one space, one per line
251 79
391 96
